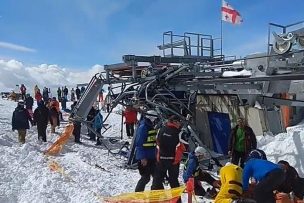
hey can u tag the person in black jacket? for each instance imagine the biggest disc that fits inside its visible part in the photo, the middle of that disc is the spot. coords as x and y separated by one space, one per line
170 149
90 117
20 121
77 126
77 93
41 118
29 102
292 183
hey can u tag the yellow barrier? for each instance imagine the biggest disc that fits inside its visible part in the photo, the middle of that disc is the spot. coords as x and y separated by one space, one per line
58 145
154 196
159 196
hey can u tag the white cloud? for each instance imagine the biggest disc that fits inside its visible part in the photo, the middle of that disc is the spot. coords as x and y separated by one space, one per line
15 47
14 73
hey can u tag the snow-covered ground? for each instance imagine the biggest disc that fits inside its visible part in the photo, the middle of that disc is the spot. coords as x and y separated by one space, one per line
25 175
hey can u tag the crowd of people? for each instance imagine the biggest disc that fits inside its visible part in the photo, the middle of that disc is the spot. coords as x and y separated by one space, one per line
248 178
47 112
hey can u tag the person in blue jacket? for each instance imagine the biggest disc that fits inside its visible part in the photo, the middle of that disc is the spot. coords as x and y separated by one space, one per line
97 125
269 177
192 169
145 147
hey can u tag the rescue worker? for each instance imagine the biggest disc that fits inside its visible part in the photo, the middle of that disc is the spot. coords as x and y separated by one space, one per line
268 176
242 141
192 169
41 118
130 115
231 185
145 144
20 121
169 154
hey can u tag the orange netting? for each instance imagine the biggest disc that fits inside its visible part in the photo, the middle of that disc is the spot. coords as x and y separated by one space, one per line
58 145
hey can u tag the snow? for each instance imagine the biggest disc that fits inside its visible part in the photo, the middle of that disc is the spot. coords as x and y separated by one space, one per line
26 175
244 73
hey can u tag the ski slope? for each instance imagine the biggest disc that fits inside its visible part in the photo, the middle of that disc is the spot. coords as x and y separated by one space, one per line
27 177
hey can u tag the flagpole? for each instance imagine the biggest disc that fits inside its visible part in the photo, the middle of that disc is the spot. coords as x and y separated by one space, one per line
221 38
221 30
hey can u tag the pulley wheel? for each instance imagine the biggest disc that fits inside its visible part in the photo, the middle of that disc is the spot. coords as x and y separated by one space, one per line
282 48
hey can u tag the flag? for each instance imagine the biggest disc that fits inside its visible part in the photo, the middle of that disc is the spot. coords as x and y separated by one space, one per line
229 14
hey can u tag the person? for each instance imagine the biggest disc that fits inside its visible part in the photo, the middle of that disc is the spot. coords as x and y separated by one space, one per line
36 88
258 154
82 90
293 182
268 176
192 169
66 92
77 93
100 97
169 154
90 118
130 115
108 103
20 121
72 94
97 125
53 116
77 126
29 102
23 91
45 94
59 94
41 118
63 103
242 141
38 96
231 185
145 147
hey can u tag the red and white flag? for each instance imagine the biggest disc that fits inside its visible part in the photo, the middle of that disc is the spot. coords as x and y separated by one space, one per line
229 14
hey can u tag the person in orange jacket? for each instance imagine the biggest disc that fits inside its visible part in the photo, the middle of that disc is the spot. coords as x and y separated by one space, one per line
130 115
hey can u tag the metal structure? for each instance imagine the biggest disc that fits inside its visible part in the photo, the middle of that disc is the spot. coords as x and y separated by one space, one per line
170 83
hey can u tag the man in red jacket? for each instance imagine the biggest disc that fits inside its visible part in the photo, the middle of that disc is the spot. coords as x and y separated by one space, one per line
130 115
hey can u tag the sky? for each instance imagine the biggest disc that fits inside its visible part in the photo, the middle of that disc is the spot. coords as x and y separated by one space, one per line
76 35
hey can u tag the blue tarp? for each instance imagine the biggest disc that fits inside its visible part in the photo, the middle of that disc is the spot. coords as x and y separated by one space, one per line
220 131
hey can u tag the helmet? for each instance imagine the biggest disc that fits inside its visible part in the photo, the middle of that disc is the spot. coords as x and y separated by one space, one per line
201 151
257 154
151 115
